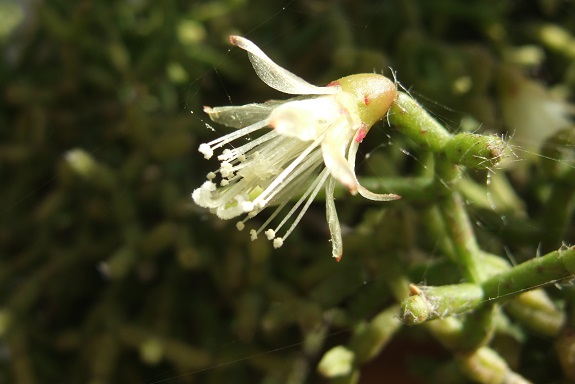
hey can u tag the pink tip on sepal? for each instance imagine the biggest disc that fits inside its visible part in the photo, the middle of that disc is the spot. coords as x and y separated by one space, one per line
361 133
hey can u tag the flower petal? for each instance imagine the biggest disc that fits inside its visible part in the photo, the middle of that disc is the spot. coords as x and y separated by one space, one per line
305 119
276 76
376 196
361 189
241 116
334 147
339 167
332 220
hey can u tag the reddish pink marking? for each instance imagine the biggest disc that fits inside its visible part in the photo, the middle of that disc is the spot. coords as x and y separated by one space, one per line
334 84
338 258
361 134
365 99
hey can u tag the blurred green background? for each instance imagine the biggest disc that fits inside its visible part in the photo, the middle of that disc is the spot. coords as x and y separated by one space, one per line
109 273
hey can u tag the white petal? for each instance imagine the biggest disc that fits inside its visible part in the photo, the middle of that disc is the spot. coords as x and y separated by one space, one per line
361 189
241 116
332 220
376 196
305 119
339 168
276 76
333 149
532 113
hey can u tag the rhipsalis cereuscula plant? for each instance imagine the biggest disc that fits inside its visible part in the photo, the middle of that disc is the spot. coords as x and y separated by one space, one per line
310 141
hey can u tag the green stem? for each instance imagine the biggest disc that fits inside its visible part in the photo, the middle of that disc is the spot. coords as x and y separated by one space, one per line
428 303
498 196
412 120
86 166
370 338
478 328
20 357
457 225
475 151
536 311
459 230
104 358
467 149
564 347
486 366
551 268
176 351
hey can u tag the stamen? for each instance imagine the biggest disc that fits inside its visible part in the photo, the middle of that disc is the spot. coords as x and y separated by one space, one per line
278 242
221 141
317 184
302 172
203 195
248 146
248 206
298 203
272 216
225 169
231 209
266 195
206 150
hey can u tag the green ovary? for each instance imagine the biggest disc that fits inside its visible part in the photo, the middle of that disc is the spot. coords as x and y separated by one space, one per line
373 93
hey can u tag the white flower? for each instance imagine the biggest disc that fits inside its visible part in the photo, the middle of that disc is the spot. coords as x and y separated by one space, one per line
312 143
530 111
